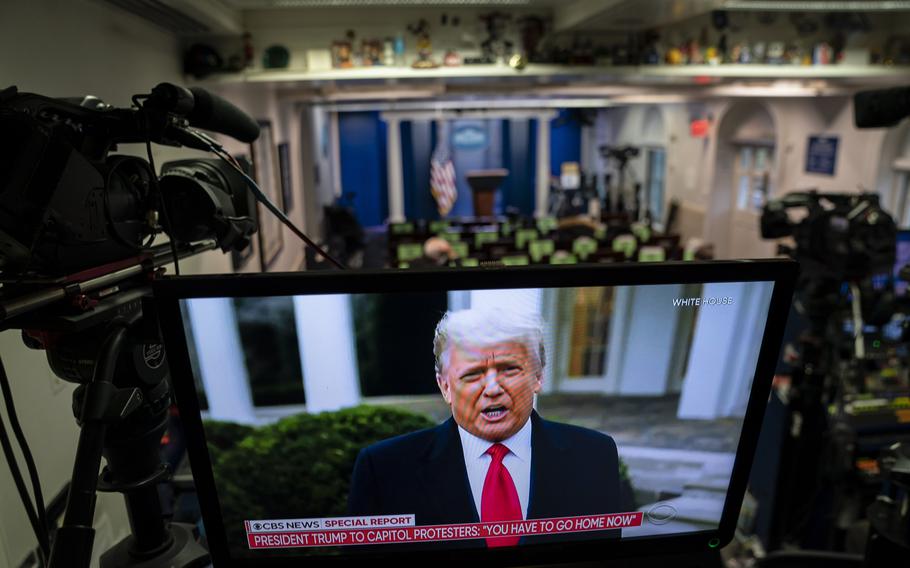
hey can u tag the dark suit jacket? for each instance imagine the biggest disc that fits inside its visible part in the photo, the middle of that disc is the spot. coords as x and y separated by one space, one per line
574 471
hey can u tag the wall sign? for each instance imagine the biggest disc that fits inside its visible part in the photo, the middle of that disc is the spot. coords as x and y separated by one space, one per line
821 155
469 137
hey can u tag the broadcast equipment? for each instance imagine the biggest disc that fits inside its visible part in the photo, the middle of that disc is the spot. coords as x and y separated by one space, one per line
295 491
842 236
881 108
845 244
77 226
617 200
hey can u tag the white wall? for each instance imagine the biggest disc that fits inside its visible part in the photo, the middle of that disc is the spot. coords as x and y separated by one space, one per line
263 103
692 162
70 48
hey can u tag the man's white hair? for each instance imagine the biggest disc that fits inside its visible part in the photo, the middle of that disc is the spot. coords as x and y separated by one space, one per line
484 326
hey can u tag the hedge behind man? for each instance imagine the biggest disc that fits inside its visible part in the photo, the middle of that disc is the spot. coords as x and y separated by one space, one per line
495 459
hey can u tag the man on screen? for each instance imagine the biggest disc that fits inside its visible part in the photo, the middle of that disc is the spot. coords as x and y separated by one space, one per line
495 459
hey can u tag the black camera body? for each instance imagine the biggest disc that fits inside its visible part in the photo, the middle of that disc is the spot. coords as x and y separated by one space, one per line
844 237
67 204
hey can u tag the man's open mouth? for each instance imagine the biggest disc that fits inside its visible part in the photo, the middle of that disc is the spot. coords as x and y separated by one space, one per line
495 412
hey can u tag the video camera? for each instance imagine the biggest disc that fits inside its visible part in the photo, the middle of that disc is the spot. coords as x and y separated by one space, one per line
67 204
843 237
621 154
77 229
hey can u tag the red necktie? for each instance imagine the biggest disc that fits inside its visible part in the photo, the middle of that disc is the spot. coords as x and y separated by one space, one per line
499 500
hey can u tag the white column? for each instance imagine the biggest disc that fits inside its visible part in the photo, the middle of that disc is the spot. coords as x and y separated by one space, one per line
328 357
220 354
542 179
395 176
724 351
649 339
335 145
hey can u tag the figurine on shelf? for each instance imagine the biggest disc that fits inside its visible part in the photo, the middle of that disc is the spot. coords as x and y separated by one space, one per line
399 51
451 59
822 54
343 52
247 50
776 53
388 52
371 52
758 52
736 53
532 32
674 56
495 48
424 46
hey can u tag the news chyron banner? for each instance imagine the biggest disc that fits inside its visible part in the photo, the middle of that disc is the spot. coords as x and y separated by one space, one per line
382 529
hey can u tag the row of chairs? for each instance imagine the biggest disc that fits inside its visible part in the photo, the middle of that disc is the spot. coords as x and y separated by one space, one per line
515 245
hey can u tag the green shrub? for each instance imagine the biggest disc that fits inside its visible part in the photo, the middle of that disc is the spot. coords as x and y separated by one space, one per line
300 466
221 436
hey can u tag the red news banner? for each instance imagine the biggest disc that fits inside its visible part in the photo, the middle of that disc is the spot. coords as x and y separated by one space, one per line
383 529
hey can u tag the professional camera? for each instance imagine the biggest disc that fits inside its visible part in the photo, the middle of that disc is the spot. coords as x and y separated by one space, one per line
842 236
77 230
621 154
67 204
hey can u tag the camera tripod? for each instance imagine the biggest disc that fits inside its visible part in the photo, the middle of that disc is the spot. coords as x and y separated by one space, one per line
114 353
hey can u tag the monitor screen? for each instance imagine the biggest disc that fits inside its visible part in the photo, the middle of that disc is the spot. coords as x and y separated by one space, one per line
901 259
449 418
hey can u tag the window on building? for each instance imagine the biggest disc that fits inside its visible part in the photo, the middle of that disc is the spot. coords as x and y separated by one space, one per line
752 176
586 316
394 339
268 333
655 184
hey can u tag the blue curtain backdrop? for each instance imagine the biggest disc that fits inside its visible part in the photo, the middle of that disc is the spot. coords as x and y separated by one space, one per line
418 139
565 140
363 165
510 144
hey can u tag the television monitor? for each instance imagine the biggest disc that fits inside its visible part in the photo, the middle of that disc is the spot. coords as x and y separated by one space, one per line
520 415
901 259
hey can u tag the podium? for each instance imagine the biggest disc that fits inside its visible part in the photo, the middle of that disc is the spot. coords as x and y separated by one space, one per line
484 184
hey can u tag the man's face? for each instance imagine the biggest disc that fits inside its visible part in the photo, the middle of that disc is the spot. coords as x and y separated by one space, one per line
490 388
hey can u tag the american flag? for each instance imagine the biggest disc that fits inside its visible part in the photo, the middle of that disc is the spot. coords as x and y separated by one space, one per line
442 172
442 185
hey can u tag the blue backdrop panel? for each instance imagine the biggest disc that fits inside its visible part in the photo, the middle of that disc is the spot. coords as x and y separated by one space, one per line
362 140
519 145
565 141
418 139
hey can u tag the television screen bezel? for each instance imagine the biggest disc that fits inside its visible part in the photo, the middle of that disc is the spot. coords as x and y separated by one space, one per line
169 291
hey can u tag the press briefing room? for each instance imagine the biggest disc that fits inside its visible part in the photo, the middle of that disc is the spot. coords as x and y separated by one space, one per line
519 282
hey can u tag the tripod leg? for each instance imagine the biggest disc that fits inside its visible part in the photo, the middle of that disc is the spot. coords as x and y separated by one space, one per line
73 544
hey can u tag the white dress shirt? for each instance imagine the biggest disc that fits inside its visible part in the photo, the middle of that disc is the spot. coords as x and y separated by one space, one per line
517 461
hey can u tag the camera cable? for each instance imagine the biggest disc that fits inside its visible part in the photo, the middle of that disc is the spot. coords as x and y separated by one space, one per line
216 149
34 510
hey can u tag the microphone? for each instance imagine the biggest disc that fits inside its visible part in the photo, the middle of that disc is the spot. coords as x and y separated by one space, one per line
211 112
204 110
881 108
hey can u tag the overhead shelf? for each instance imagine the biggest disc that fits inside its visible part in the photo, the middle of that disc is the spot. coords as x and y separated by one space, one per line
686 74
